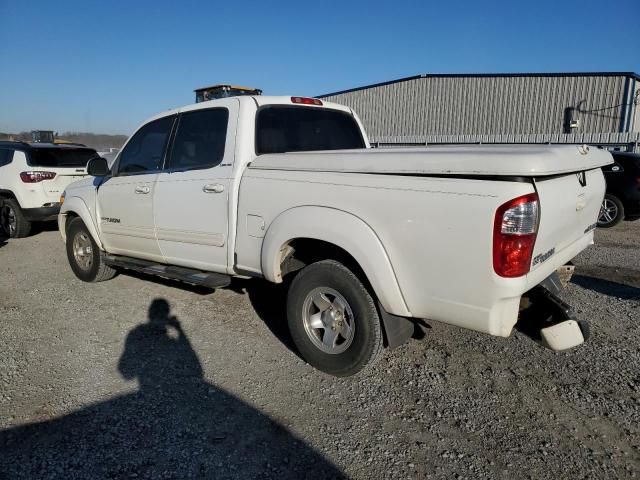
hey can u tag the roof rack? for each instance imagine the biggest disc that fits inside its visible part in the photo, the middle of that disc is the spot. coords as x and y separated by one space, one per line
214 92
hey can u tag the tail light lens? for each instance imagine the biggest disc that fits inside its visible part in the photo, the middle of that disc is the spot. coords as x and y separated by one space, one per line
36 176
514 235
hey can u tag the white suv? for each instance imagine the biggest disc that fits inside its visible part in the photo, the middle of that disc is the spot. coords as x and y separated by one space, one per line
32 178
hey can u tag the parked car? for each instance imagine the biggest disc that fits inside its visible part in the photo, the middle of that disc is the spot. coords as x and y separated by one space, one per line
32 178
622 198
286 189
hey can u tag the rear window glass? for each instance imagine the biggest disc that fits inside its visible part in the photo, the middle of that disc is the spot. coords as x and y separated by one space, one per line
282 129
628 161
5 156
58 157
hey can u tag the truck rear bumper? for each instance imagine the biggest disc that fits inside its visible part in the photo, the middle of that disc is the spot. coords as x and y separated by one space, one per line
494 311
563 335
550 321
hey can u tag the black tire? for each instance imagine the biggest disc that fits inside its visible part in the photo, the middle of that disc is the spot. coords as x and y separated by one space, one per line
88 267
611 212
12 219
366 341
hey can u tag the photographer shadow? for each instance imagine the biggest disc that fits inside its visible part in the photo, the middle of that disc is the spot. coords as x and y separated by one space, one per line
175 426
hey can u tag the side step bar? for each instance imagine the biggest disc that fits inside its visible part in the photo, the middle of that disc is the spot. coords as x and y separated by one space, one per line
182 274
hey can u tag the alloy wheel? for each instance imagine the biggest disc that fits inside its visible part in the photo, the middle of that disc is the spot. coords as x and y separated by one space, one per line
83 251
608 212
328 320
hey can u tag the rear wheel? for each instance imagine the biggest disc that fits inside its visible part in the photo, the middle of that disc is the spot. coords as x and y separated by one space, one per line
611 212
84 255
333 319
12 219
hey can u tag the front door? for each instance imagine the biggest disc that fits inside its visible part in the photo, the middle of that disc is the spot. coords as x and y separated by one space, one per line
191 198
125 200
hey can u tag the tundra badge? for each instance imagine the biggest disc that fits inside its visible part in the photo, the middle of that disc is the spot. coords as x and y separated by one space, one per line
543 257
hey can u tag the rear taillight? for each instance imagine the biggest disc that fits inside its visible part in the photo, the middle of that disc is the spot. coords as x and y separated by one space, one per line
514 235
306 101
36 176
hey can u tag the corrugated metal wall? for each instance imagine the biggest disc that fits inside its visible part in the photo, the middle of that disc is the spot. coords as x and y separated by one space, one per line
488 105
628 140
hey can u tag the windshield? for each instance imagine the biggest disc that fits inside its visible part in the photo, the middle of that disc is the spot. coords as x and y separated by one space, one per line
59 157
283 128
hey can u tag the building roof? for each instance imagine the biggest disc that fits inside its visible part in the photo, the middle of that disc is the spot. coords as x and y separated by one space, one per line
633 75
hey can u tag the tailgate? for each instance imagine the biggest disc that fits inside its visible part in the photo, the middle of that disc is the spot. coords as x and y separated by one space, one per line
569 208
64 176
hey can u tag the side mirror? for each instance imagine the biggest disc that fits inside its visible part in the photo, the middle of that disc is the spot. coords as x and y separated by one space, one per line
98 167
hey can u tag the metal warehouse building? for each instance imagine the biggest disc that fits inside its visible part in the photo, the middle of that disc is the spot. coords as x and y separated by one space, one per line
593 108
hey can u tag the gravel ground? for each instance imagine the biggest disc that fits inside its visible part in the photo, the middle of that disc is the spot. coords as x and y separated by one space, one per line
140 378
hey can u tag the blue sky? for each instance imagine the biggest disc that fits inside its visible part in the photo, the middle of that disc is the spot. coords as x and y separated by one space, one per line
105 66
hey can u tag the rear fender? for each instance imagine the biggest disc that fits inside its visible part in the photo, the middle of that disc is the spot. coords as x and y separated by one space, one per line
344 230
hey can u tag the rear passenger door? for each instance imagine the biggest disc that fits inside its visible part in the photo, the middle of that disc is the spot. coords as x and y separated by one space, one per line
191 198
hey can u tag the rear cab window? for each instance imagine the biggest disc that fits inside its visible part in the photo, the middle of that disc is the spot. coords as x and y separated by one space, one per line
60 157
284 128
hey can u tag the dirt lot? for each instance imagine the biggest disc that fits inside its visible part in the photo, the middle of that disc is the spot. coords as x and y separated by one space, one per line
140 378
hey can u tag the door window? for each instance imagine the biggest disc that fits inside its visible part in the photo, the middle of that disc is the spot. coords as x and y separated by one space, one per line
200 139
145 151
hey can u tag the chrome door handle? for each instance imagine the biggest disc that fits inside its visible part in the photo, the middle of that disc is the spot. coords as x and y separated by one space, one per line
216 188
141 189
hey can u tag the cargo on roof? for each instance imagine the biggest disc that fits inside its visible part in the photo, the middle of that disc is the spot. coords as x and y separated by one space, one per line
214 92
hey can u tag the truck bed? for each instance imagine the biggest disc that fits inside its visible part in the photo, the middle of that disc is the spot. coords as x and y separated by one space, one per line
490 160
432 211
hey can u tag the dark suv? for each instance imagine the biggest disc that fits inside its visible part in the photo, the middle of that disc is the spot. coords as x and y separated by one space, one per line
622 200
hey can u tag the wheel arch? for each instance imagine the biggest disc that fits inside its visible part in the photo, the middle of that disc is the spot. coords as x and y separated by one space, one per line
7 194
322 230
76 207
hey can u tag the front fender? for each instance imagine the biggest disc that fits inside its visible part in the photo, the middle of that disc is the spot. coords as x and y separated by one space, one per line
77 206
344 230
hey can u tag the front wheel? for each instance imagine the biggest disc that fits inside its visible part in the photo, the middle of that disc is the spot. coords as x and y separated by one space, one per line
333 319
611 212
84 255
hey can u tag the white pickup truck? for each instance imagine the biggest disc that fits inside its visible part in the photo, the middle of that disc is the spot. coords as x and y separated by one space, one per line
368 240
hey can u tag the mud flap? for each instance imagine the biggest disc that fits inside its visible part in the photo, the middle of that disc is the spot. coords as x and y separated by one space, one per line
397 330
